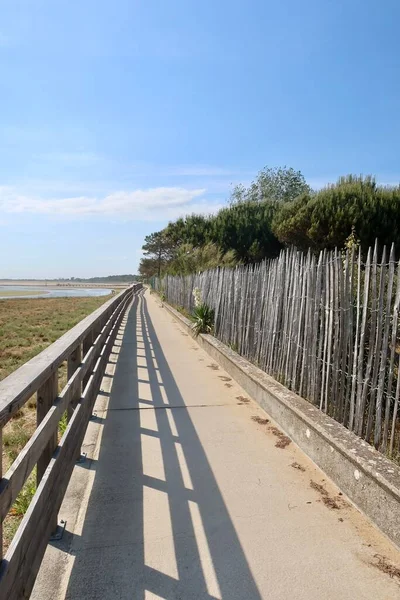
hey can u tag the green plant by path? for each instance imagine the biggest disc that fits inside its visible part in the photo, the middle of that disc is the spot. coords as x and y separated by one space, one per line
25 496
203 317
62 426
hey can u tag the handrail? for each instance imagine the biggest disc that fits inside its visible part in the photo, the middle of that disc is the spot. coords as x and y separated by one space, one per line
86 347
17 388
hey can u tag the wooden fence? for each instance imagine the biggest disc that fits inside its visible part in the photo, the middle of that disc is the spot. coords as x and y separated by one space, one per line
86 347
325 326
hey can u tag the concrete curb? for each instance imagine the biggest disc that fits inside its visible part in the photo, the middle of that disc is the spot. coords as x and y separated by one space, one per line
369 479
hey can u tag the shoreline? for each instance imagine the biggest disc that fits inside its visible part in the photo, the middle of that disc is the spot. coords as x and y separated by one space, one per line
10 294
59 284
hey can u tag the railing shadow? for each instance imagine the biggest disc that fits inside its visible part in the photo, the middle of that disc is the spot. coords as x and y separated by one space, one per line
156 525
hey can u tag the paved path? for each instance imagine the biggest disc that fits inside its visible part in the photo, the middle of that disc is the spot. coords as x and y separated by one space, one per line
186 496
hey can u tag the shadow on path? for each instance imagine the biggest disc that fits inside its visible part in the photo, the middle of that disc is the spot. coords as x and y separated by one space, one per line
156 525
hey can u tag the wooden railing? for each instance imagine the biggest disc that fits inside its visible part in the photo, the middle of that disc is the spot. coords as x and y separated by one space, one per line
86 347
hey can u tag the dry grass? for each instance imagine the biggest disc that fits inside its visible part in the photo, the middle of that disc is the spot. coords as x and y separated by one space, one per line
243 399
386 567
27 327
333 503
283 440
297 466
259 420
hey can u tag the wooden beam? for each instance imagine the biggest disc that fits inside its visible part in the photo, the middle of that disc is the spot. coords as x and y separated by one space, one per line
74 362
14 479
87 344
46 396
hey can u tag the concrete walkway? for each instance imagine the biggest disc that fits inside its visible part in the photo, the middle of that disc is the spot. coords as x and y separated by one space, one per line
185 494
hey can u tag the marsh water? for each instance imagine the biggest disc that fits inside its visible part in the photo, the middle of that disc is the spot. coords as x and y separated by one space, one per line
22 291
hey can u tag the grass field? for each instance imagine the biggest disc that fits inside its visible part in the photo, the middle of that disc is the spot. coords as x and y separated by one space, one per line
28 326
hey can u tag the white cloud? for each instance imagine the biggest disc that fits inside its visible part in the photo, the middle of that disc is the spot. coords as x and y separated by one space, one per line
148 204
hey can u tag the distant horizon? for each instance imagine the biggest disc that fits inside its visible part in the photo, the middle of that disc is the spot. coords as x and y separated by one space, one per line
83 279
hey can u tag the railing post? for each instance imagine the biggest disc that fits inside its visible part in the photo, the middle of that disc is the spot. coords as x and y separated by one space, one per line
74 360
87 344
46 395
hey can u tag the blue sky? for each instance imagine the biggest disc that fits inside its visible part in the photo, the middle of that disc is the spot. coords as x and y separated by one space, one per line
118 116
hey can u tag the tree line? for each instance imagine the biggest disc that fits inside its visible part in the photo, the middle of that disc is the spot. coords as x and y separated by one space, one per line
277 210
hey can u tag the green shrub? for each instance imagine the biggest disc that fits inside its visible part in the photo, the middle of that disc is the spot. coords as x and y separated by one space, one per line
355 205
203 317
190 259
246 229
